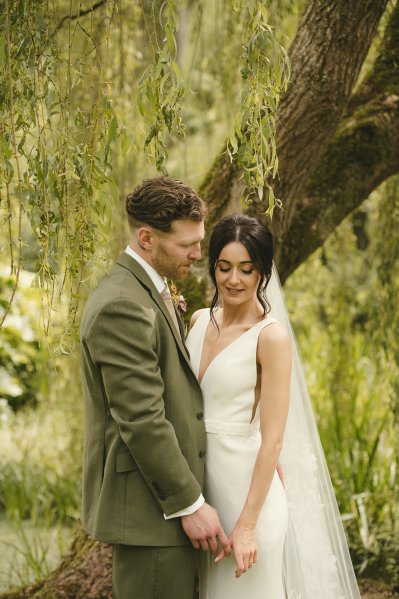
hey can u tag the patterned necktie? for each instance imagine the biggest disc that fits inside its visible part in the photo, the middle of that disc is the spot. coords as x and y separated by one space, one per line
167 298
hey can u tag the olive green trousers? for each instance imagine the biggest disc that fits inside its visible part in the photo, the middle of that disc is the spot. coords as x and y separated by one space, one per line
153 572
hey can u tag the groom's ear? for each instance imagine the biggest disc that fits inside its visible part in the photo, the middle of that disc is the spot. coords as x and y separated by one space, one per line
145 238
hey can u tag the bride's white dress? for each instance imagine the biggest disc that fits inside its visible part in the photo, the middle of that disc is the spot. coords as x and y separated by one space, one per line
228 387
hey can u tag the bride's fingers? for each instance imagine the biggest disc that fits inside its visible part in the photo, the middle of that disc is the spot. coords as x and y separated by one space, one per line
246 563
239 571
240 566
220 556
255 557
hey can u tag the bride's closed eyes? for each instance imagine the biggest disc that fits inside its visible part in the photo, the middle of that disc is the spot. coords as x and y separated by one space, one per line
225 266
243 270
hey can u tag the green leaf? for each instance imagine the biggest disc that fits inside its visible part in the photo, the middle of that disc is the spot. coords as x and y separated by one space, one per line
114 191
112 129
3 56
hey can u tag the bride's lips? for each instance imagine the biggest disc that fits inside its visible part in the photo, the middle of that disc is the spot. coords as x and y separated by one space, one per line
233 291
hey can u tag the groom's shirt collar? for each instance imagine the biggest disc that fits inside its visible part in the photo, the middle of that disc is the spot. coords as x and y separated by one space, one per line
155 277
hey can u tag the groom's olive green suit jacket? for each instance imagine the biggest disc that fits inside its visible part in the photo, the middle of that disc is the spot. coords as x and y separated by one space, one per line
144 431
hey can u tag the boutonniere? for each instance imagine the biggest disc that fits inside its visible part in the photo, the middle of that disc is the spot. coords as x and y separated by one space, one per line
178 300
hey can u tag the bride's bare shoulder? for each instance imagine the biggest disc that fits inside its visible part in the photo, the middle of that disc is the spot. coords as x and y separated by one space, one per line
274 337
195 316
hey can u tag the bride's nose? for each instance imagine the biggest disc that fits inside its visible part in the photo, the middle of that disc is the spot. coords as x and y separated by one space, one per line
234 276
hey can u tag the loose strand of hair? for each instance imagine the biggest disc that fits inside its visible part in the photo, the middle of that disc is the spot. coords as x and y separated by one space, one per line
214 305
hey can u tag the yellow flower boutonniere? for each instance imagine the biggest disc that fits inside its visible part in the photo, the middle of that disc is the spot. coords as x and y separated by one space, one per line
178 299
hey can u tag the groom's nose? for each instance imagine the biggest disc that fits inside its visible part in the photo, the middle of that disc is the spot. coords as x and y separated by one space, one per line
195 252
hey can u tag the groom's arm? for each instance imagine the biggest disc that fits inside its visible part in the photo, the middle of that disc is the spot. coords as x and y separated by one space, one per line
122 341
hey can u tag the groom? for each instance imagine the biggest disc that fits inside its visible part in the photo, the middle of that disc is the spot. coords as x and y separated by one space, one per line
144 431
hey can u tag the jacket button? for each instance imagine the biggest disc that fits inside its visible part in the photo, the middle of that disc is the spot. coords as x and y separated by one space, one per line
202 453
200 415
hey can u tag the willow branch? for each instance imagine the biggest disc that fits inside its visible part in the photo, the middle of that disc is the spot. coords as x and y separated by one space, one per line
15 148
80 13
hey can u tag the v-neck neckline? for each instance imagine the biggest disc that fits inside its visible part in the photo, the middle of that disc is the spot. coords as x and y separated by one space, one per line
200 380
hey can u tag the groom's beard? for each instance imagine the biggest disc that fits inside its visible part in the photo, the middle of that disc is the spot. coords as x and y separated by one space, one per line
165 266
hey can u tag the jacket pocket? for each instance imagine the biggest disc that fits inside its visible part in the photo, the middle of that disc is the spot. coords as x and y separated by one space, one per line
125 462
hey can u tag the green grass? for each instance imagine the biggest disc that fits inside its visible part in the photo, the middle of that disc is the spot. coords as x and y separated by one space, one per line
40 474
29 552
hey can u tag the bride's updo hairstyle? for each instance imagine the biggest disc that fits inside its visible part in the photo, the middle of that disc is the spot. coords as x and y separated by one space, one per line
258 241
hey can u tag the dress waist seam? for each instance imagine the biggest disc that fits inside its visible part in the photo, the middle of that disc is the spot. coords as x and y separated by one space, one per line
240 429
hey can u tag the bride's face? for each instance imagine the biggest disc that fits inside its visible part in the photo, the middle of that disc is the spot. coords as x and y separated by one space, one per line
236 277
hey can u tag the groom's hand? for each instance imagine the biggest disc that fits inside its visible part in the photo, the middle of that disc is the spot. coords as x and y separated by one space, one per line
203 528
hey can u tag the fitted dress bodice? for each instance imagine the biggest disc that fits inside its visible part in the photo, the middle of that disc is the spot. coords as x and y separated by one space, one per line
233 368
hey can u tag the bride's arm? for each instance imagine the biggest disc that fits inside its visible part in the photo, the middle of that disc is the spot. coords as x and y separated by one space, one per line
274 358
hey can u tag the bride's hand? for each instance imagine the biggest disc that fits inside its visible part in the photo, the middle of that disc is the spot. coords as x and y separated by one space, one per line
243 542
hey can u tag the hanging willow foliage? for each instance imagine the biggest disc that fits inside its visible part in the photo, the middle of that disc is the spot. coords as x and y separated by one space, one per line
265 73
161 87
57 127
58 194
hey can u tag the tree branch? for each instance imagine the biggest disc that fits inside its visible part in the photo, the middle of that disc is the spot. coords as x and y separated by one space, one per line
384 76
326 54
326 57
80 13
363 152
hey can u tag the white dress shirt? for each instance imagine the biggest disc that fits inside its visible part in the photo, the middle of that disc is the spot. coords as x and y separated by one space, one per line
160 283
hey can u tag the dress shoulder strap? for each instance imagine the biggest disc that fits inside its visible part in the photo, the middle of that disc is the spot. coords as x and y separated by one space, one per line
203 319
265 322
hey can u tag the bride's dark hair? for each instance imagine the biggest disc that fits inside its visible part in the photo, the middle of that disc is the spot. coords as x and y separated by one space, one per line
258 241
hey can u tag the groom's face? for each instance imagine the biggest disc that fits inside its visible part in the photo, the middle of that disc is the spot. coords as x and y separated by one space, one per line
175 251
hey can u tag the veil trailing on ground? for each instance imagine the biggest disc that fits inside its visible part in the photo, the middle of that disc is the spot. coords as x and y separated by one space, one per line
317 563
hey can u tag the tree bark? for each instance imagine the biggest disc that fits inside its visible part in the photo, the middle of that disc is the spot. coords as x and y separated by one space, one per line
326 59
363 153
84 573
333 148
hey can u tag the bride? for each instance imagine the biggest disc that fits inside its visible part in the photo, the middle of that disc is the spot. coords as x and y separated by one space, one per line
288 543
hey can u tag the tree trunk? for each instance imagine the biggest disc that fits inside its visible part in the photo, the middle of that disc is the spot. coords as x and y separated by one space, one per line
84 573
334 148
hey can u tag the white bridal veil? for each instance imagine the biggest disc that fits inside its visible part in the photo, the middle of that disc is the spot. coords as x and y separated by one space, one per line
317 563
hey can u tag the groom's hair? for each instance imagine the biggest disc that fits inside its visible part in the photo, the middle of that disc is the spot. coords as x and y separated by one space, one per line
158 202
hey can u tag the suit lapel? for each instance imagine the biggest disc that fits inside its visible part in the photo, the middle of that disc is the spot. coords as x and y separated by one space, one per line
131 264
182 326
